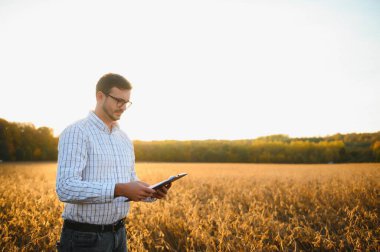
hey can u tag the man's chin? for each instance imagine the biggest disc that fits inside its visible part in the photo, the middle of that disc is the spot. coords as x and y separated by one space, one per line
116 117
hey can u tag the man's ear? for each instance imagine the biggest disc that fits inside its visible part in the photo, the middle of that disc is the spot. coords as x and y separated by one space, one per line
99 96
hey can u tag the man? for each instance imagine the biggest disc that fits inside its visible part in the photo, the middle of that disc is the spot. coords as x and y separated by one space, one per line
96 174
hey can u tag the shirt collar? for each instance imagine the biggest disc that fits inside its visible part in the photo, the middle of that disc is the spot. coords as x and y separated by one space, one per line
93 118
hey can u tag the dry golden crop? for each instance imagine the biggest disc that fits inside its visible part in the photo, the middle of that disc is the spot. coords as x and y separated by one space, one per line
217 207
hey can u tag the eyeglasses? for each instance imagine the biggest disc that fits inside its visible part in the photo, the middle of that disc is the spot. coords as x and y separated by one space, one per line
120 102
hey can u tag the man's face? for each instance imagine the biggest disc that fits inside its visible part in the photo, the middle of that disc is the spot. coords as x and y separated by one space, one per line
114 103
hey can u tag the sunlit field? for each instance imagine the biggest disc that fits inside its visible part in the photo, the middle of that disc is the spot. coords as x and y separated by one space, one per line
217 207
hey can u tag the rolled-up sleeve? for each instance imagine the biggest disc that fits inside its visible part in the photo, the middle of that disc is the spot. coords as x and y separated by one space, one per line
72 160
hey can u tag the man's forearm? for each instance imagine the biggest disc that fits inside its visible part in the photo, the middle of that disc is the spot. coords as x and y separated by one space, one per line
84 192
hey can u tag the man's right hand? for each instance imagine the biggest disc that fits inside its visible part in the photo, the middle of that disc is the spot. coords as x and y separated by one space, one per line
135 191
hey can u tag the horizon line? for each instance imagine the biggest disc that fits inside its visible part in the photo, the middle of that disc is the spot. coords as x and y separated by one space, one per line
254 138
215 139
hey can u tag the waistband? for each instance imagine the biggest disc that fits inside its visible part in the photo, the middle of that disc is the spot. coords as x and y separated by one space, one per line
86 227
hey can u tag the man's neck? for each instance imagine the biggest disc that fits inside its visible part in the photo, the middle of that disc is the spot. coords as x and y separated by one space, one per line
103 117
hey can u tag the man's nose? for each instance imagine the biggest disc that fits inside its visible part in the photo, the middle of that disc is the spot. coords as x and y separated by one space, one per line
124 107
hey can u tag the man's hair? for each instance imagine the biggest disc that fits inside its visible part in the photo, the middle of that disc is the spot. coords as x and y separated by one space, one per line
110 80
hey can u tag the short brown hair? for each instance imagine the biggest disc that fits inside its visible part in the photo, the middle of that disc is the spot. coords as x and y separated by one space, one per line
110 80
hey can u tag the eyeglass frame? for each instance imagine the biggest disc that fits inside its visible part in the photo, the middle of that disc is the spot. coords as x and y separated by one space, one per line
120 102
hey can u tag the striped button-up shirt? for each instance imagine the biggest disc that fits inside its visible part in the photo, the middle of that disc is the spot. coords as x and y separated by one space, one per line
91 160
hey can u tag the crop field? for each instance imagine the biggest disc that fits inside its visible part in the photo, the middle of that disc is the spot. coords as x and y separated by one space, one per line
217 207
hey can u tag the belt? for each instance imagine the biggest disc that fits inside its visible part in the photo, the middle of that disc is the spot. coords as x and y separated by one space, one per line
86 227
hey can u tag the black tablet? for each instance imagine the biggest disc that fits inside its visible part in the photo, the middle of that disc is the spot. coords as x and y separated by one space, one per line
165 182
168 181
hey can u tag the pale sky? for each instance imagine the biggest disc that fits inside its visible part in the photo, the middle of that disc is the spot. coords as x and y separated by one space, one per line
200 69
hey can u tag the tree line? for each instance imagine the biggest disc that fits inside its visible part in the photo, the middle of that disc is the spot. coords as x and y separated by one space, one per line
272 149
24 142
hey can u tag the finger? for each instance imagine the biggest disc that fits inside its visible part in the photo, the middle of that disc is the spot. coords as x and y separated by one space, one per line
161 193
146 195
163 189
148 190
143 196
158 196
143 183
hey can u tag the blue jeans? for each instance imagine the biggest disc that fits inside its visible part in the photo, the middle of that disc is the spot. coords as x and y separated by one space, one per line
74 241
